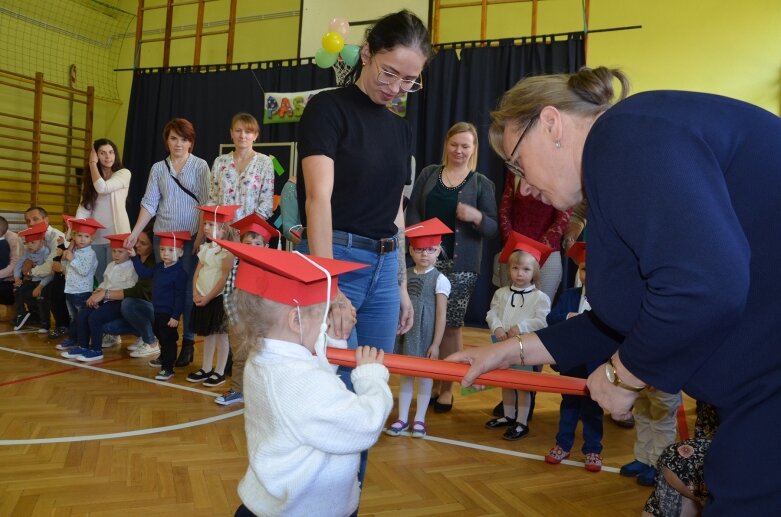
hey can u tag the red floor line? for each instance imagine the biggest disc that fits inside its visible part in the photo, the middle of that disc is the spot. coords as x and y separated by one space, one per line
56 372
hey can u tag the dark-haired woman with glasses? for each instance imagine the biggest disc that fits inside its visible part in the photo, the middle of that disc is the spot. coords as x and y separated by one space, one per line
464 200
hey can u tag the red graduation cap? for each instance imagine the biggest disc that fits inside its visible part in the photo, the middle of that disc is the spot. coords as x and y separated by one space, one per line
175 239
117 240
516 241
89 226
285 277
34 232
219 213
577 252
255 223
426 233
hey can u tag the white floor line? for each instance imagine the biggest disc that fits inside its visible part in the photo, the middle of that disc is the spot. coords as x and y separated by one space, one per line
17 332
86 366
497 450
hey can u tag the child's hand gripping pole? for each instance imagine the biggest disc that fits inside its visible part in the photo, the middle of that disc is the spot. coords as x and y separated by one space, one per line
447 371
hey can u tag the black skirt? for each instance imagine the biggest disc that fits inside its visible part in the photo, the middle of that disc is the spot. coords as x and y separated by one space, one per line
209 319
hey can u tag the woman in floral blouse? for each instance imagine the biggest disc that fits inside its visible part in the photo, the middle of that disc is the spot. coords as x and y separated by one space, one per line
243 177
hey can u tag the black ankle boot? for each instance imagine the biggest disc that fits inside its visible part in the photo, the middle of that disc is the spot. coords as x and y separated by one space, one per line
185 354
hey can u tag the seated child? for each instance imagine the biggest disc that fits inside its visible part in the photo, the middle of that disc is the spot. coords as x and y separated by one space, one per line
104 305
428 291
575 407
28 290
80 263
515 309
305 430
169 284
255 231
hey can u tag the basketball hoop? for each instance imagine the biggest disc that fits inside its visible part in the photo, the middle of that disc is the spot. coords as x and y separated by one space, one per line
342 71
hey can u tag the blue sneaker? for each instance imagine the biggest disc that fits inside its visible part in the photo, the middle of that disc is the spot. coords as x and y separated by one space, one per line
66 344
230 397
90 356
647 478
74 352
634 469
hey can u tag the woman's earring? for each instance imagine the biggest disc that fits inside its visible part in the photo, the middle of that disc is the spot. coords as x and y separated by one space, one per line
558 144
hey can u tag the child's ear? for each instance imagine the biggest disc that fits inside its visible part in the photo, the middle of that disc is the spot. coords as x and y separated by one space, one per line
293 322
179 252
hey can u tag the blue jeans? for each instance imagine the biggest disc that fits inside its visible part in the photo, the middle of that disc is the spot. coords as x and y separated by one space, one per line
574 408
141 316
75 302
90 323
189 263
374 292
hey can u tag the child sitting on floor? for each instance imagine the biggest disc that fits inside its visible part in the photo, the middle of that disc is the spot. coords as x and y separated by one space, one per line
516 309
305 430
104 305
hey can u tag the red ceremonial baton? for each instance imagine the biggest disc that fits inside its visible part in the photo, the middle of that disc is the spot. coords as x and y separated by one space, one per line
447 371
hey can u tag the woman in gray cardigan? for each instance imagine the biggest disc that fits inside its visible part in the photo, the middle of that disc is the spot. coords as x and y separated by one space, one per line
464 200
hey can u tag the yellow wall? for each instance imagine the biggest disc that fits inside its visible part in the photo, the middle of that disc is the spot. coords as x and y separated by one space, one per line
718 46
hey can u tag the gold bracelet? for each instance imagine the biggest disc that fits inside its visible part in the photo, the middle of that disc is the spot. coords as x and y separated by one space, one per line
520 345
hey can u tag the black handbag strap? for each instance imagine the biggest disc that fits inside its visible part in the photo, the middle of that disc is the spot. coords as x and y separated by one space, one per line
185 189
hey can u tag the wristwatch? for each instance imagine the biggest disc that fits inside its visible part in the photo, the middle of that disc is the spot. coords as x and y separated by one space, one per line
612 376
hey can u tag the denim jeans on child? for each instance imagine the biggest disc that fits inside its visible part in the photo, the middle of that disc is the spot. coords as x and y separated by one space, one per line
75 302
140 314
90 323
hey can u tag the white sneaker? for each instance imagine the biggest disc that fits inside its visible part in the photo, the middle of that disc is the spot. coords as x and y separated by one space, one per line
135 346
110 340
145 350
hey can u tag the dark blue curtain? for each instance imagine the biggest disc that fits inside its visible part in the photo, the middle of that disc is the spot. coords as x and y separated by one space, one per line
462 82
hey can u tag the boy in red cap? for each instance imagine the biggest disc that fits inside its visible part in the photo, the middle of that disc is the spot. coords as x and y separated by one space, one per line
515 309
428 291
255 231
80 263
573 407
305 430
170 282
28 288
104 305
208 313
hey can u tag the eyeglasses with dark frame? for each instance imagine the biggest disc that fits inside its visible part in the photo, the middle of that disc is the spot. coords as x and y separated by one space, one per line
388 78
512 167
427 251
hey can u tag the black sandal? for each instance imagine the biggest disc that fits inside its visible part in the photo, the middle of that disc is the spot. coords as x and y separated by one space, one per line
516 433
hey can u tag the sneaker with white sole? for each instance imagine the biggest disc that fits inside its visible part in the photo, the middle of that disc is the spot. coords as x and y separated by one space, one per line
43 330
20 320
135 346
155 363
110 340
74 352
145 350
66 344
230 397
91 356
164 375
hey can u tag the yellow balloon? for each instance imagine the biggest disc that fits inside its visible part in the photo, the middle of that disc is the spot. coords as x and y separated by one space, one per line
333 42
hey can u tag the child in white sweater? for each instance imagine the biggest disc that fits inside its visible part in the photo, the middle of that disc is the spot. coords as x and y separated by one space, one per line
305 429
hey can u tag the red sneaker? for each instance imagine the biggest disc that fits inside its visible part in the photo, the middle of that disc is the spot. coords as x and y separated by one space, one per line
556 454
593 462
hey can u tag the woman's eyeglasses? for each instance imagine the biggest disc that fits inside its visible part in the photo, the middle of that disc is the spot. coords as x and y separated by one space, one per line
406 85
512 167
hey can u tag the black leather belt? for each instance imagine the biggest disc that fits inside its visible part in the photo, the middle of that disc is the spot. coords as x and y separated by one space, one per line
360 242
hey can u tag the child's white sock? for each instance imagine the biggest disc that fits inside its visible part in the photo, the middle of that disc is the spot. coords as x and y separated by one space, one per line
405 396
524 405
424 396
208 353
223 347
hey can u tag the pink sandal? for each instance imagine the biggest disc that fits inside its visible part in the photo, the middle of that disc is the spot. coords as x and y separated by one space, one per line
396 428
419 429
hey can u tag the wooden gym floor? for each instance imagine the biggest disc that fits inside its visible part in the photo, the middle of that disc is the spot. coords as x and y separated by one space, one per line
108 440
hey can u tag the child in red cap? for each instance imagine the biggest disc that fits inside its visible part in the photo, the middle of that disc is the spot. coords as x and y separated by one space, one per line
428 291
104 305
80 264
515 309
255 231
28 288
208 314
305 429
170 282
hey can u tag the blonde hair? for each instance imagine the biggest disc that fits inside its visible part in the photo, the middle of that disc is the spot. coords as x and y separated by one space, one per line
257 318
519 257
248 120
587 93
461 127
